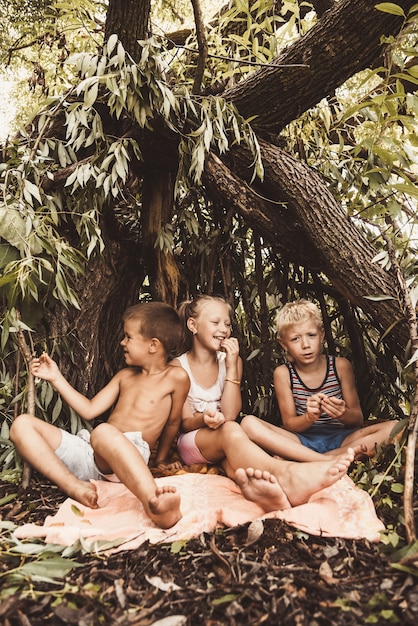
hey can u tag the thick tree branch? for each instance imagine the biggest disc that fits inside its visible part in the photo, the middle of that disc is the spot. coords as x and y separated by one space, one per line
342 252
270 220
345 40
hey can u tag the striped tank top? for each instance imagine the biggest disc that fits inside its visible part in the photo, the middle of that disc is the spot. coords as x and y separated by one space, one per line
330 386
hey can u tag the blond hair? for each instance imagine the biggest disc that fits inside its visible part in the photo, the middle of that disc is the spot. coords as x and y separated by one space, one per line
297 312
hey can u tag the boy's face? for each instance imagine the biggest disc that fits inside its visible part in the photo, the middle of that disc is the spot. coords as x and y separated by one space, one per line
303 341
136 347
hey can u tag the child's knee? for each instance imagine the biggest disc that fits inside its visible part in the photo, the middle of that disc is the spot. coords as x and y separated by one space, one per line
233 432
249 423
102 432
19 425
96 435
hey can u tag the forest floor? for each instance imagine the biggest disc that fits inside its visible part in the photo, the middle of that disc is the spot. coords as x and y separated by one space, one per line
279 576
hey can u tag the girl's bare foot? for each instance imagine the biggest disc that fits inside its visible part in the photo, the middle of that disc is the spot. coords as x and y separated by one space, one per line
262 488
164 507
85 493
301 480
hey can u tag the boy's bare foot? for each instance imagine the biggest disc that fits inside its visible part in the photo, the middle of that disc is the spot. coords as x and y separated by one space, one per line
360 451
85 493
164 507
262 488
301 480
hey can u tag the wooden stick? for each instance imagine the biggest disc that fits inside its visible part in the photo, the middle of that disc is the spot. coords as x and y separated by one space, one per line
30 401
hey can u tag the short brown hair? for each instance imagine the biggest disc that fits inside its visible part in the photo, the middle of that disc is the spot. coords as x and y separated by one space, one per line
159 320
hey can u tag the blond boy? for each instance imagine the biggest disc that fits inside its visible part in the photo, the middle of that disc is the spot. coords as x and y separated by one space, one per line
316 393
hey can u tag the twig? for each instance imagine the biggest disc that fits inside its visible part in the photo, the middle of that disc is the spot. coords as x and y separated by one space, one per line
30 398
271 66
202 44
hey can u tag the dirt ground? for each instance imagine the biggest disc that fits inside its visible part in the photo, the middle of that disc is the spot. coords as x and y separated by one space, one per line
266 573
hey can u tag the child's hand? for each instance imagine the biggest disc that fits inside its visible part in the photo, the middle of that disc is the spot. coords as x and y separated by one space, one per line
44 367
213 419
334 407
231 348
313 407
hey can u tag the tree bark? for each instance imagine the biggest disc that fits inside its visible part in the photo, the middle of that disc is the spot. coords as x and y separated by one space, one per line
313 229
94 331
158 194
129 20
345 40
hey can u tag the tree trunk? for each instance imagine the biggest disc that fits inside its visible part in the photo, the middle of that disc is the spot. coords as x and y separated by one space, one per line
158 193
129 20
110 285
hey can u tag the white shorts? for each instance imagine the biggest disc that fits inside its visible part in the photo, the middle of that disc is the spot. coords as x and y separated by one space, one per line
77 454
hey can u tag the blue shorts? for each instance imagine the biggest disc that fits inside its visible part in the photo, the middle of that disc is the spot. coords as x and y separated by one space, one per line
325 438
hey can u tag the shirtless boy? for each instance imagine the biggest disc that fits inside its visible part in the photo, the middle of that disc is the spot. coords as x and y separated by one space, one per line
148 396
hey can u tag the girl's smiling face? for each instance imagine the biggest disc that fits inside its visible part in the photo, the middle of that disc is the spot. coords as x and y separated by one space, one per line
212 325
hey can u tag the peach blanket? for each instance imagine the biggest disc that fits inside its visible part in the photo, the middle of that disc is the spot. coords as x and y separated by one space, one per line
209 501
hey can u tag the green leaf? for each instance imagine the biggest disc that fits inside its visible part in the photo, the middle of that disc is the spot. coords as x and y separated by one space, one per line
76 511
90 95
8 498
253 354
413 359
57 410
29 189
12 226
177 546
397 488
7 254
409 189
111 43
413 70
48 569
229 597
390 7
404 568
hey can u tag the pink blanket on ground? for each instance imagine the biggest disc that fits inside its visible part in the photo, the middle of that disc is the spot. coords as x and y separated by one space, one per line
208 501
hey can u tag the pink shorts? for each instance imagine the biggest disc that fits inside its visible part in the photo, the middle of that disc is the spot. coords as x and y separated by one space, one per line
188 450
